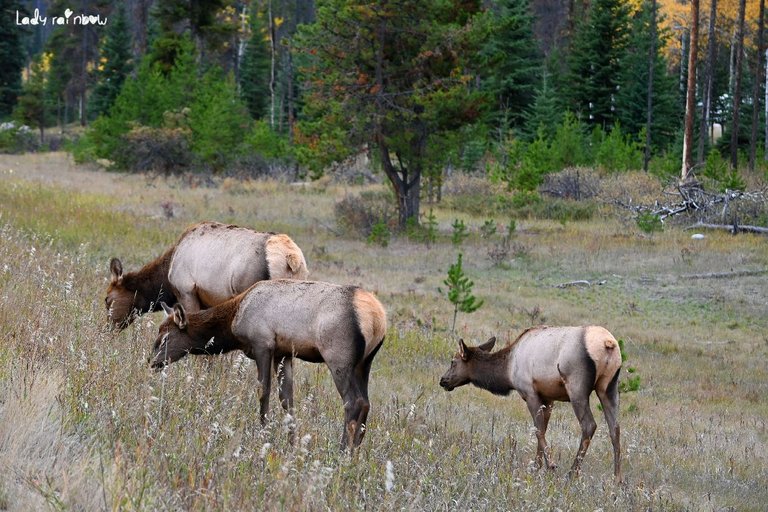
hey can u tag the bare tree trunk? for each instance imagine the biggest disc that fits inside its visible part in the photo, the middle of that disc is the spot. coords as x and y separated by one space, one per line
690 95
649 102
683 55
756 88
708 81
737 85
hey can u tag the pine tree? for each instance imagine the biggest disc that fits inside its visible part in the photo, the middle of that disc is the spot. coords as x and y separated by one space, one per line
508 60
594 61
631 101
11 56
545 113
255 67
33 108
115 64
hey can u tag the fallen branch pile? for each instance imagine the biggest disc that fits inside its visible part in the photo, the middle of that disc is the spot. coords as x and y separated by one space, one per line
691 197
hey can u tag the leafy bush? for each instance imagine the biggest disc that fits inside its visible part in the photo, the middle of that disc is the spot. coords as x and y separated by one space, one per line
568 146
265 142
459 291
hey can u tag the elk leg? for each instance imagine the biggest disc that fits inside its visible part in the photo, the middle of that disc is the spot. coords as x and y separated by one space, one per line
610 402
284 371
263 360
541 411
355 406
588 427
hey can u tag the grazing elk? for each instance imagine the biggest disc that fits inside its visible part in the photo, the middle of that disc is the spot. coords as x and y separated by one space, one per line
274 321
209 264
547 364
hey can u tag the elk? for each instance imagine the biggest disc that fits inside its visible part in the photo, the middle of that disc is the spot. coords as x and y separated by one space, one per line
548 364
210 263
275 321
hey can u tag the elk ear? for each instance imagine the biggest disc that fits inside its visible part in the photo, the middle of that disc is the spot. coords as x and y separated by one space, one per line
463 351
116 269
488 345
166 310
180 316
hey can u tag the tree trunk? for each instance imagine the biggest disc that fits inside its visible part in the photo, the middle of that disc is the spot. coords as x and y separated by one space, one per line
690 96
708 81
737 85
756 88
649 99
273 64
407 192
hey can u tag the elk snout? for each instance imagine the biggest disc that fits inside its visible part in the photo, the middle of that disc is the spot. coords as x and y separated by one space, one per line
446 384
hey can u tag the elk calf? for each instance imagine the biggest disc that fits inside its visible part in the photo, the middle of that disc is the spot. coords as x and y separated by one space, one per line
209 264
274 321
548 364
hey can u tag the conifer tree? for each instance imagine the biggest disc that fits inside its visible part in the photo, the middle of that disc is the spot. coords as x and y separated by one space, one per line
509 60
545 113
11 56
33 108
255 67
631 103
114 64
594 61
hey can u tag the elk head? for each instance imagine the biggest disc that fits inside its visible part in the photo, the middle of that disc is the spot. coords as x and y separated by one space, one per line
462 371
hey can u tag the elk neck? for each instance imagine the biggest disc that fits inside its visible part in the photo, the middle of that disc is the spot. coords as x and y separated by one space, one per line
490 371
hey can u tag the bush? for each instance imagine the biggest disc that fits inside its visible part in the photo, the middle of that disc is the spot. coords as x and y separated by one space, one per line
358 215
617 152
163 150
649 222
17 138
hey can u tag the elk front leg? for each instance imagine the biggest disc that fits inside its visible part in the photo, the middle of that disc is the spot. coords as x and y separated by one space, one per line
541 412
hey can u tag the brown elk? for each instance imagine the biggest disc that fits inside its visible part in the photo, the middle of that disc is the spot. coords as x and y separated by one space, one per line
275 321
548 364
210 263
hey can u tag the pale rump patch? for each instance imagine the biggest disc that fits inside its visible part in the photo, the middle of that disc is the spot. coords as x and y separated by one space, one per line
285 259
372 318
603 349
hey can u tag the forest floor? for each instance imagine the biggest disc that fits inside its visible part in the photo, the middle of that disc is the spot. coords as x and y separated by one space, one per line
85 425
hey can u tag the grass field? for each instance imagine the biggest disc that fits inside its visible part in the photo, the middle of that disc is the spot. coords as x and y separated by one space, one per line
85 425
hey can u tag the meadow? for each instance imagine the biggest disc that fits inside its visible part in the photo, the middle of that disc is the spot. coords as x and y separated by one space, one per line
86 425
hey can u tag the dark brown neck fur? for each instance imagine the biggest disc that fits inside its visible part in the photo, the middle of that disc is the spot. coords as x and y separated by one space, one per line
216 323
151 283
490 370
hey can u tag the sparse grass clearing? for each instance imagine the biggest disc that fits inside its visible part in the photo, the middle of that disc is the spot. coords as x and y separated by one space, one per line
85 425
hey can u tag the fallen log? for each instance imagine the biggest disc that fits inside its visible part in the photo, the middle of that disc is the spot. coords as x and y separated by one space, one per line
725 275
731 228
580 282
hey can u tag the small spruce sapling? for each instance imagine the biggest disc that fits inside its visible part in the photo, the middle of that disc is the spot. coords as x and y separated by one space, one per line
459 291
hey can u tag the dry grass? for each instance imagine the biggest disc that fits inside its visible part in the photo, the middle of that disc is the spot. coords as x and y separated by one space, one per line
85 425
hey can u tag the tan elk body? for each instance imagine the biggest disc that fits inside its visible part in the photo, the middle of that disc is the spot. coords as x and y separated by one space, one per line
275 321
548 364
210 263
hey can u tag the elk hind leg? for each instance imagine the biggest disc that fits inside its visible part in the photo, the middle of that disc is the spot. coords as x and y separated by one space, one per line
283 367
588 427
609 398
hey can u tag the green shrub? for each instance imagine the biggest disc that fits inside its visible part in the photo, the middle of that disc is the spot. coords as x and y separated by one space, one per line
618 152
379 234
459 291
649 222
459 232
264 141
16 138
568 146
